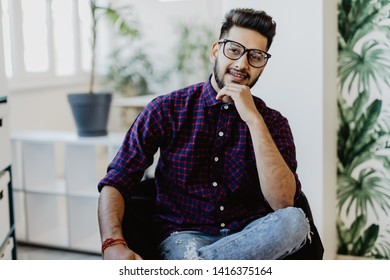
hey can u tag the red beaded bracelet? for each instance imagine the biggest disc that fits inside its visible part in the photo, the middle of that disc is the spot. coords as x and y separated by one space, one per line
111 242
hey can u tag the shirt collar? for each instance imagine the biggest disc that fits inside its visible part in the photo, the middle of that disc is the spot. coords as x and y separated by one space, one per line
209 94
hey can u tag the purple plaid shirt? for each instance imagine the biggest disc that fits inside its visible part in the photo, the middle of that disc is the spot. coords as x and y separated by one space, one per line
206 175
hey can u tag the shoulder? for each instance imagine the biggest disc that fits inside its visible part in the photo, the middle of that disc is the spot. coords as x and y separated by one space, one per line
269 114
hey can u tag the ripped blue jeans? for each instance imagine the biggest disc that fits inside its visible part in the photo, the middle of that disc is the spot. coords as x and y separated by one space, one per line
271 237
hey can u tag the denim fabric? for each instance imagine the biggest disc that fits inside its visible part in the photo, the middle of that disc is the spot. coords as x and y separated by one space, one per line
271 237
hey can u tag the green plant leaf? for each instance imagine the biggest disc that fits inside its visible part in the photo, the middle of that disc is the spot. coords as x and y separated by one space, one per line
342 247
356 227
192 51
369 191
130 71
367 241
365 124
358 130
370 66
359 17
381 249
350 239
123 20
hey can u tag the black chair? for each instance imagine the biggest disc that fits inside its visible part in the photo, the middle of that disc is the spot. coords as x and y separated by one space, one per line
138 227
141 235
313 249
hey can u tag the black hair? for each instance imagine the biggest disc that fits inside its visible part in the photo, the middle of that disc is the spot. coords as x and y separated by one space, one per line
252 19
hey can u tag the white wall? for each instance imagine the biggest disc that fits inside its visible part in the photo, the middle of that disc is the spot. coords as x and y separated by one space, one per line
42 108
300 82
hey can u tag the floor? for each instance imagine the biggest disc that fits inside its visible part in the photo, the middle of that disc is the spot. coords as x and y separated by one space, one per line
27 252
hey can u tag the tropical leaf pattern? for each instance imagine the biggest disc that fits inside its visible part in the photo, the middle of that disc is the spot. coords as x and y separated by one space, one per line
356 240
363 184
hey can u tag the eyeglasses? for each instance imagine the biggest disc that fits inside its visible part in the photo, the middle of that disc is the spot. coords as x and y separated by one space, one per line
234 50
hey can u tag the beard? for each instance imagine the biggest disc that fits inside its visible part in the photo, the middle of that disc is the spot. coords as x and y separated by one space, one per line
219 76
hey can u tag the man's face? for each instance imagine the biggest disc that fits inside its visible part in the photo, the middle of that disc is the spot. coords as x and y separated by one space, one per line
237 71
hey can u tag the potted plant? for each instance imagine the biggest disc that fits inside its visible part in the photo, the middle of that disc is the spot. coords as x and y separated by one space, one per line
192 55
91 109
130 73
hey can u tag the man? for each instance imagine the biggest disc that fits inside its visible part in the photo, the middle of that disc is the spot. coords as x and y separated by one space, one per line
225 180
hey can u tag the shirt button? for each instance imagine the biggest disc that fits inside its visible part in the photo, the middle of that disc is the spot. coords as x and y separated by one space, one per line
220 133
216 159
221 208
222 224
215 184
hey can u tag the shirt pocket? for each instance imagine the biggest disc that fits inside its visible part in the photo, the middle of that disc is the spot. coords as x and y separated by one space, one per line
240 173
187 174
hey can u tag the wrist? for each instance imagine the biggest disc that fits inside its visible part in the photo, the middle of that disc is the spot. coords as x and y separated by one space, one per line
255 121
109 242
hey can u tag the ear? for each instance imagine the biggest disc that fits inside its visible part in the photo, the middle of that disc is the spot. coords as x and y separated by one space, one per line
214 51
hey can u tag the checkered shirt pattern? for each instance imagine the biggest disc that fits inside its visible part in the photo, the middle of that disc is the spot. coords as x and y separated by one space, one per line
206 176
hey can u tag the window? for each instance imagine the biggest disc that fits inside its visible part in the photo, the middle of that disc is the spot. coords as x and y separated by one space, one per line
45 41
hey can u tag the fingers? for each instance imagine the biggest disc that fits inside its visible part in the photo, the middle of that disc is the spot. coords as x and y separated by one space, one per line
242 98
227 99
231 92
120 253
134 256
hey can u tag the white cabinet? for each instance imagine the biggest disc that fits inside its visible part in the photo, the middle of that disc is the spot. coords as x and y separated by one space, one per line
4 206
7 229
6 251
55 187
5 144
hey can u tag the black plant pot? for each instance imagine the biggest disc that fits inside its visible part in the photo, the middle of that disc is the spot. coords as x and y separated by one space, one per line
90 112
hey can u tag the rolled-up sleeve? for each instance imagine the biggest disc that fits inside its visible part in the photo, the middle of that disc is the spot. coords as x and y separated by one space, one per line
137 150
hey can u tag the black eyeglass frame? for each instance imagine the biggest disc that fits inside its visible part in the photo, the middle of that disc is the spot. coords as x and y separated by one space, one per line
224 41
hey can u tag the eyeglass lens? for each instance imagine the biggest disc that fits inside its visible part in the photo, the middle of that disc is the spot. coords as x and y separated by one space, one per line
234 51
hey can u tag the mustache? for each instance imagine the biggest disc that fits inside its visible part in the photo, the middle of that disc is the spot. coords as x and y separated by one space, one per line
238 72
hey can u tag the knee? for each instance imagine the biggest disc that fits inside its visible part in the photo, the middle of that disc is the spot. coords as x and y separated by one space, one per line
295 221
181 246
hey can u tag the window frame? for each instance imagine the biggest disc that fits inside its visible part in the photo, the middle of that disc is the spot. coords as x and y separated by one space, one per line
21 79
